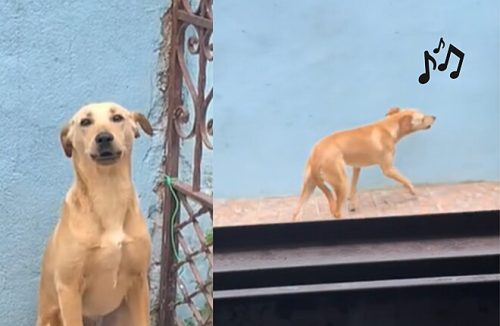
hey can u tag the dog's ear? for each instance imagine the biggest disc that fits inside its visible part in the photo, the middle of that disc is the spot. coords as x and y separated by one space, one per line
65 141
393 110
405 124
142 121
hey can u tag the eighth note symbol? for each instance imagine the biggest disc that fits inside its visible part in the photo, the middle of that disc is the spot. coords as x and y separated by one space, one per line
444 65
441 41
424 78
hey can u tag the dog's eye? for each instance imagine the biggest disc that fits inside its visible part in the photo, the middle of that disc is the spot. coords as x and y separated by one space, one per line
117 118
85 122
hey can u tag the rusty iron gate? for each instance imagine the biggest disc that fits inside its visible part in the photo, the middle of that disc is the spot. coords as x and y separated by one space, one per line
188 97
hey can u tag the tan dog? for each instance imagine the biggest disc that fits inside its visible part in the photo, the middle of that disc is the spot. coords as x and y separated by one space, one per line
96 261
360 147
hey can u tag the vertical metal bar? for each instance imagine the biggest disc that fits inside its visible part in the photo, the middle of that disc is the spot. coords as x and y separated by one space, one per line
168 277
198 149
181 17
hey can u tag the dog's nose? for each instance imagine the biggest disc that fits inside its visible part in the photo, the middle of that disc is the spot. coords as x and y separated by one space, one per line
433 117
103 138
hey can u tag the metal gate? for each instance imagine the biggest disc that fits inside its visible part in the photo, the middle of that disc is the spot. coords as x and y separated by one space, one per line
188 209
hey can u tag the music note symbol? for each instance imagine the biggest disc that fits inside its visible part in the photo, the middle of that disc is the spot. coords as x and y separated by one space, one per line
459 54
424 78
441 41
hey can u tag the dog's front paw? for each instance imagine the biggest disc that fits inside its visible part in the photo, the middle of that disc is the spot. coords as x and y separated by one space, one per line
337 213
412 191
352 207
296 216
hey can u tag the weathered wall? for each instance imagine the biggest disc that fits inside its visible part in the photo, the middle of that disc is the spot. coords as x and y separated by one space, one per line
54 57
292 72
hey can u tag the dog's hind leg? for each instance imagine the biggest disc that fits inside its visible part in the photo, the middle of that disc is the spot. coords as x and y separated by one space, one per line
307 189
328 194
334 174
353 200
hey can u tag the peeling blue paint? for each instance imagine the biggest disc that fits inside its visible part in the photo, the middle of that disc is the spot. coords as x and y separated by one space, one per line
54 57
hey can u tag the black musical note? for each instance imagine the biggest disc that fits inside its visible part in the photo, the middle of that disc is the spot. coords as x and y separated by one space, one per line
441 41
444 65
424 78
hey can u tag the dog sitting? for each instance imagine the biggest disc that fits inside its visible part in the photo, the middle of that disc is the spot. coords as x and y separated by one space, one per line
359 147
96 262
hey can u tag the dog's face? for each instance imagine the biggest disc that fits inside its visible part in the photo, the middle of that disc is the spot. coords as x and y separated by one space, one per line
411 120
103 133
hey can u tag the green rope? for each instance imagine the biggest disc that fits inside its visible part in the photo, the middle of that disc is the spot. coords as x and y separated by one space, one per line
169 182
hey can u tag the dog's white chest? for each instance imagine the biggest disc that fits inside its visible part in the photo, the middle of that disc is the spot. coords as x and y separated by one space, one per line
104 291
110 252
113 239
110 249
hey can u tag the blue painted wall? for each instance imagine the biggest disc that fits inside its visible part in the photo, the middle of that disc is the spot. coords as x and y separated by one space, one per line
54 57
290 73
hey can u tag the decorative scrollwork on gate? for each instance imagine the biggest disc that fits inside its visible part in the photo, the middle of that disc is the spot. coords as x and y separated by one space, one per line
189 122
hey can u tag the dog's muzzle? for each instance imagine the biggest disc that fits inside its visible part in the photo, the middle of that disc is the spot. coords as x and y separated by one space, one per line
433 120
106 154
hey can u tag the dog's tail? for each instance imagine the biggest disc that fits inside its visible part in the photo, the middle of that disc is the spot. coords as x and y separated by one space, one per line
308 187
